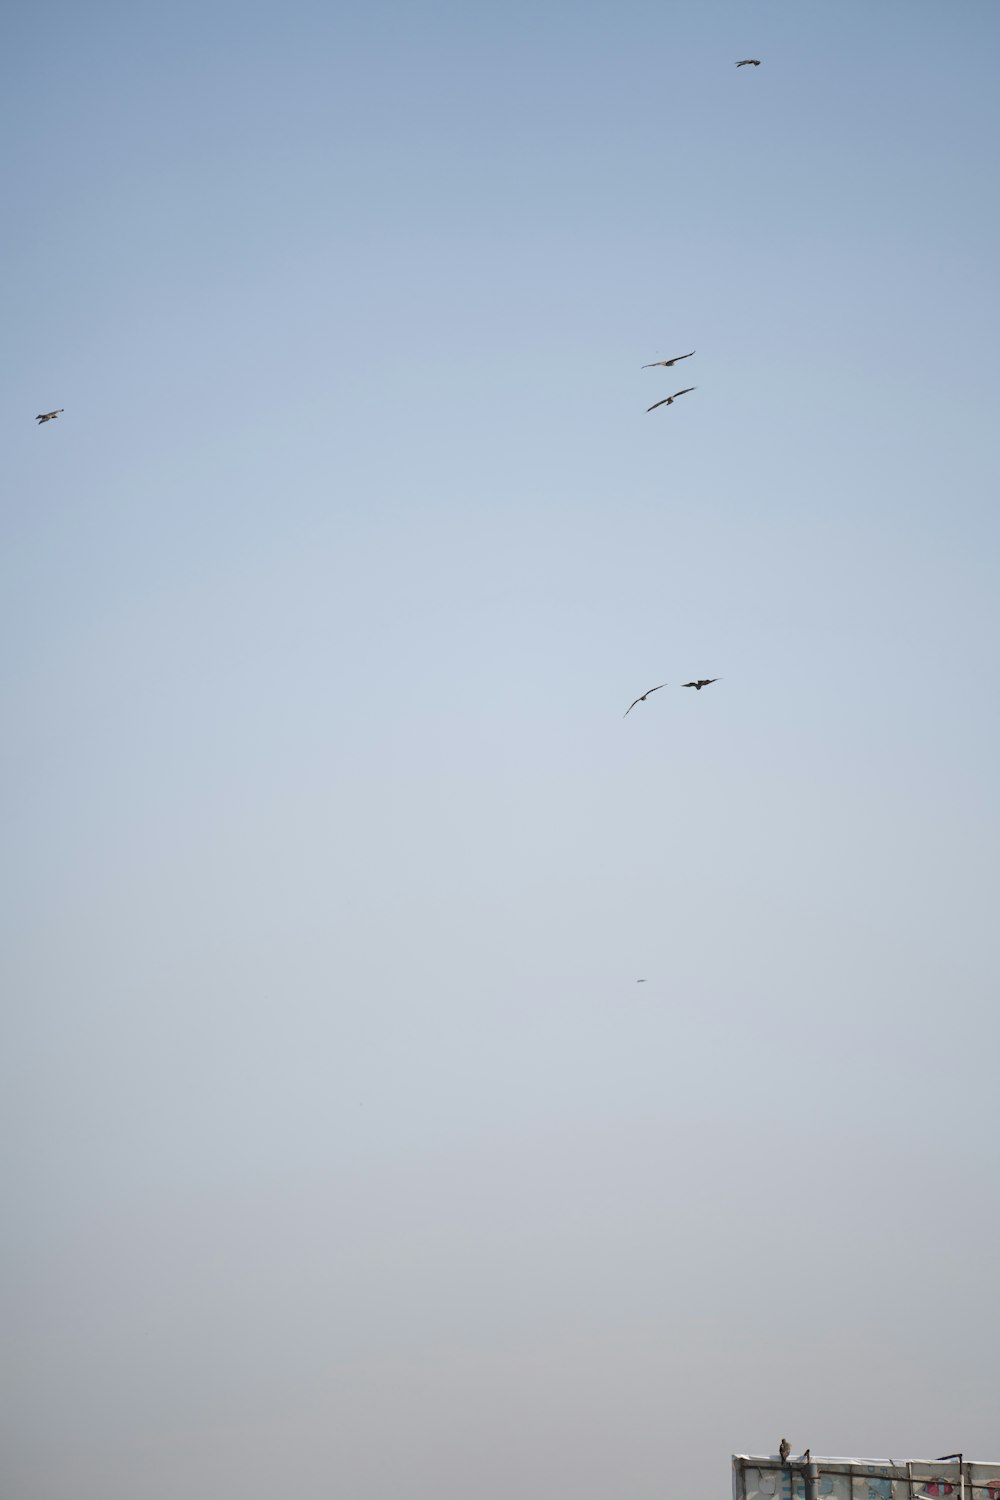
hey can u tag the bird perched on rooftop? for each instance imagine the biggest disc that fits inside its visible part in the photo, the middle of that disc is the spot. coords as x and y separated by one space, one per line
667 363
48 416
668 399
749 62
702 682
642 698
784 1447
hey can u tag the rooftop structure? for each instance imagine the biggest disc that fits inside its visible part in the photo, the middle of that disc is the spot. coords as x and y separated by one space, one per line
807 1476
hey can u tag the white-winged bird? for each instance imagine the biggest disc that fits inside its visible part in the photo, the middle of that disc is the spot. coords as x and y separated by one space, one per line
749 62
668 399
642 698
702 682
48 416
667 363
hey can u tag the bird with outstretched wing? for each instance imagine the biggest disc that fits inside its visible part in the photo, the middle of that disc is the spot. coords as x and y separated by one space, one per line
749 62
668 363
668 400
702 682
48 416
642 698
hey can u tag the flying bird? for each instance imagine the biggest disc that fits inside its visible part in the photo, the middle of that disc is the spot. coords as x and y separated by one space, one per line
702 682
784 1447
640 981
667 363
643 698
48 416
668 399
749 62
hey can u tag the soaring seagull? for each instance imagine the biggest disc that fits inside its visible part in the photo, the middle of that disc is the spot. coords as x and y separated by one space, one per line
666 363
643 698
668 399
749 62
48 416
702 682
784 1448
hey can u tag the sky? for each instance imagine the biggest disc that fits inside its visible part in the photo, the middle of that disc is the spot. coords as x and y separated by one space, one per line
343 1153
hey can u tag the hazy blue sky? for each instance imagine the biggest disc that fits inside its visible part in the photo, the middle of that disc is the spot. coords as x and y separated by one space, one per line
343 1154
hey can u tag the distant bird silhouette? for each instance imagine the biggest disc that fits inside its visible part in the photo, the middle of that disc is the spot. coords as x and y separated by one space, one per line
48 416
667 363
640 981
643 698
749 62
702 682
668 399
784 1447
